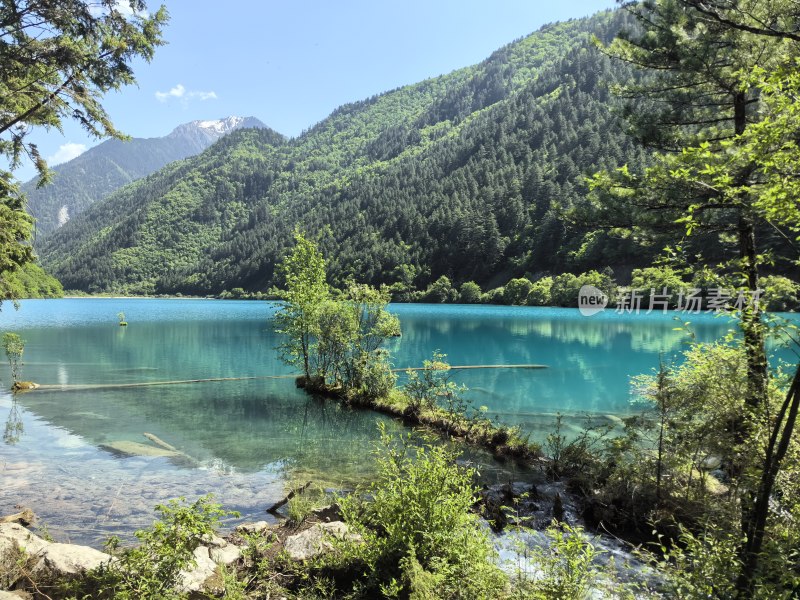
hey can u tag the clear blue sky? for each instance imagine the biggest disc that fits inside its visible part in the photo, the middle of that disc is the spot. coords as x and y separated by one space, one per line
290 63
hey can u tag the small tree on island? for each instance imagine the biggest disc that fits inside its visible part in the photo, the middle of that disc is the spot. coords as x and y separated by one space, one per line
334 339
305 294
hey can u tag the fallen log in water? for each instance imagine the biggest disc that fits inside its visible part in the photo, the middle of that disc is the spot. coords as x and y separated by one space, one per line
465 367
159 442
107 386
292 493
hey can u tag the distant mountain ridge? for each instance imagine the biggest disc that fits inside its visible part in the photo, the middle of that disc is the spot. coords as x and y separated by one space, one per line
466 175
103 169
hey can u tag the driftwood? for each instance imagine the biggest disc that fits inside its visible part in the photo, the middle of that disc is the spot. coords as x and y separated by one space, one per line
25 517
170 448
292 493
159 442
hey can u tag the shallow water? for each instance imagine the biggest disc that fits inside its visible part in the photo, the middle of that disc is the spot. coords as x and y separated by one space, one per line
244 440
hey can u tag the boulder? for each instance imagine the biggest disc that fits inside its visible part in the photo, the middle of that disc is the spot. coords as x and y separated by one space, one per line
221 552
14 541
45 561
128 448
251 528
204 577
332 512
15 595
316 540
25 517
60 561
226 555
197 578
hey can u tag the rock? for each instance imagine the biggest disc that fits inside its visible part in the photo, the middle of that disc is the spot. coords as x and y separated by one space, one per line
25 517
251 528
226 555
316 540
720 475
15 595
710 463
213 541
520 488
221 552
128 448
59 561
197 578
332 512
14 540
46 561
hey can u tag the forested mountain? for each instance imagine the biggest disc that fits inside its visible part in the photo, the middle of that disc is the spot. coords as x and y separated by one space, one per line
105 168
464 175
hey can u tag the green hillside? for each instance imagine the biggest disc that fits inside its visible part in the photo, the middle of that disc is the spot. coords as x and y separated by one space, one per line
30 281
463 175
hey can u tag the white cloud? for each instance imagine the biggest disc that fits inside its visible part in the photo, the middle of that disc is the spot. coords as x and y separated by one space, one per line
203 95
66 152
179 91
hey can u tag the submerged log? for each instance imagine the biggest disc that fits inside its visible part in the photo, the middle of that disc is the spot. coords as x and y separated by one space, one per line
466 367
21 386
159 442
292 493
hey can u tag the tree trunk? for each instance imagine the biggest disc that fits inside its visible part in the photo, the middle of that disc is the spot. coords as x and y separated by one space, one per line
776 451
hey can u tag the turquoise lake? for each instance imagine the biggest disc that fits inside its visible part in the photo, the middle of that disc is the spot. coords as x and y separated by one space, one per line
245 439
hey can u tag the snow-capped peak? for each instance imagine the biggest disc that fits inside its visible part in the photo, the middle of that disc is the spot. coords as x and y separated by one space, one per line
220 126
203 133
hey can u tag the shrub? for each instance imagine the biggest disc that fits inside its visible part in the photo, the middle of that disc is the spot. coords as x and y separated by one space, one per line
425 386
780 293
567 570
470 293
541 292
658 279
441 291
517 290
151 570
495 296
419 531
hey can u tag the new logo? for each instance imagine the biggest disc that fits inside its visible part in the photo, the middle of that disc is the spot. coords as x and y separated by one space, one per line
591 300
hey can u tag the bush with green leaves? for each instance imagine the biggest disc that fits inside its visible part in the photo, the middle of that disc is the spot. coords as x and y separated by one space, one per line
441 291
517 290
565 287
470 293
420 537
658 279
335 338
703 565
430 387
541 292
494 296
781 294
151 570
563 568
